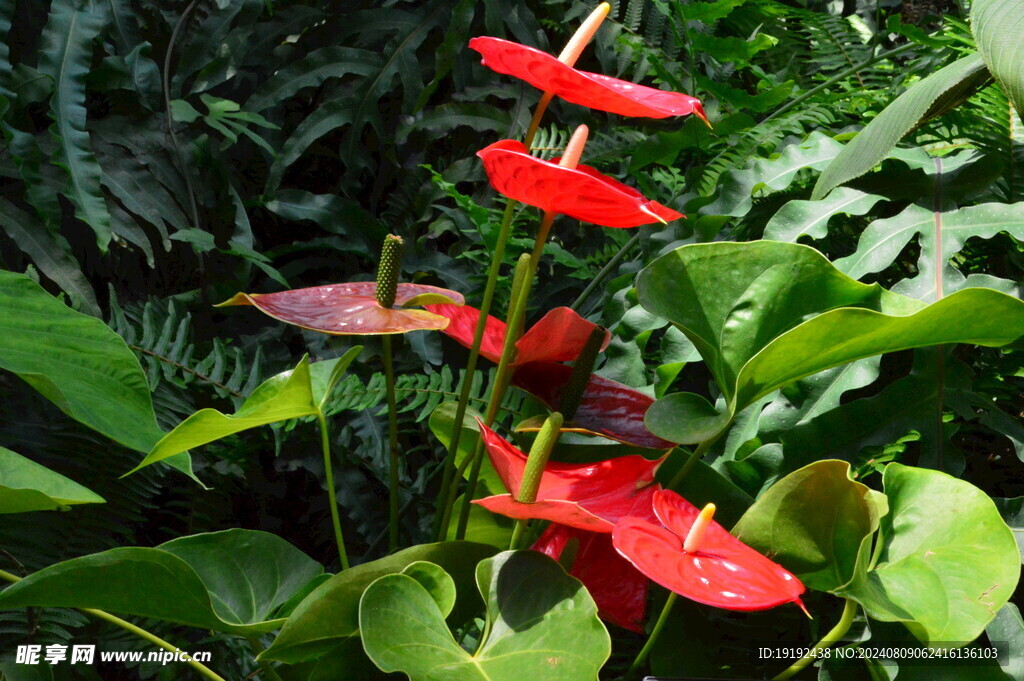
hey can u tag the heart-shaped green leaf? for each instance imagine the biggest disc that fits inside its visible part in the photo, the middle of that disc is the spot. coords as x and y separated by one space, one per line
27 486
330 614
40 337
299 392
948 562
231 581
816 522
765 314
541 624
685 418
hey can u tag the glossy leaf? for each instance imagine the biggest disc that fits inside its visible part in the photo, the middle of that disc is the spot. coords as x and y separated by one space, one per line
66 55
541 624
948 562
585 496
608 409
231 581
592 90
996 25
40 337
817 522
685 418
330 614
930 97
722 572
292 394
765 314
27 486
350 309
618 588
582 192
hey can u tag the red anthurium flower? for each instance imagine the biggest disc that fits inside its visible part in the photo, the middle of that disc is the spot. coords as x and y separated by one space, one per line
617 587
608 409
580 192
714 568
545 72
591 496
352 309
559 336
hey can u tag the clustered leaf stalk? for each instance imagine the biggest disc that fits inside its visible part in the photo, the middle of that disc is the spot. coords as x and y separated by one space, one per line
387 285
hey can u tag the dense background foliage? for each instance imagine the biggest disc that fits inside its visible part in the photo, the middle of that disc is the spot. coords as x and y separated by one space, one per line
160 156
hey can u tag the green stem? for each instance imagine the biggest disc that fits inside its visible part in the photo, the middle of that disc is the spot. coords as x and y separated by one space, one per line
502 377
641 657
265 666
449 479
695 456
138 631
832 637
393 481
325 445
605 271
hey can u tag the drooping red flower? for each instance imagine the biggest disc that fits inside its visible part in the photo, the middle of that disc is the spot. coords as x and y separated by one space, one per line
591 496
581 192
592 90
608 409
352 309
559 336
722 572
617 587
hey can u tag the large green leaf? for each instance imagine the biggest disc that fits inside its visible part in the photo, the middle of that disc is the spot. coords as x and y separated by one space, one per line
997 27
292 394
330 614
883 240
541 624
936 94
77 363
817 522
947 563
765 314
798 218
27 486
65 56
231 581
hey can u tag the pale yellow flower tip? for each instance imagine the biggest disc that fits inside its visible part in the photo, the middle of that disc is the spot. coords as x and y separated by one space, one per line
697 530
574 150
648 211
583 34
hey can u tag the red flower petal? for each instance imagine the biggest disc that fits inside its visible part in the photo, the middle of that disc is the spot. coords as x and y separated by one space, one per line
608 408
462 328
348 309
618 588
586 496
558 337
582 193
545 72
724 572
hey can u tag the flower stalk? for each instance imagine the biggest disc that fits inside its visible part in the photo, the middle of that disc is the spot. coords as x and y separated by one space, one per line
540 452
387 284
582 368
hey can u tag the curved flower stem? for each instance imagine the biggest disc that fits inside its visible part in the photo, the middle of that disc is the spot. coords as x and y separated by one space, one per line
138 631
832 637
449 486
502 378
641 657
325 445
605 271
393 480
